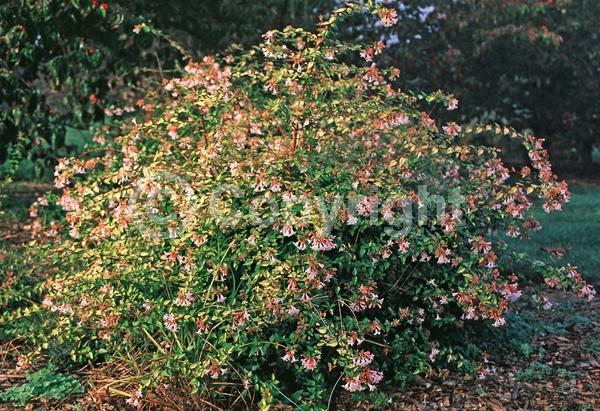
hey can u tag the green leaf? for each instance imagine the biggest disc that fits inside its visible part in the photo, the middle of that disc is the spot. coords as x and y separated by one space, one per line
77 138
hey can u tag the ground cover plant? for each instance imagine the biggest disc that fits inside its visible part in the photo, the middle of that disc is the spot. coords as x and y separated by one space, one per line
282 227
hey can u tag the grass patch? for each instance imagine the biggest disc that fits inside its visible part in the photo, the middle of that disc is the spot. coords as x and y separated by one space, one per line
576 230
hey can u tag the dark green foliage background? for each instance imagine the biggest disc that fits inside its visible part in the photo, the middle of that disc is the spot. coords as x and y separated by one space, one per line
501 58
55 55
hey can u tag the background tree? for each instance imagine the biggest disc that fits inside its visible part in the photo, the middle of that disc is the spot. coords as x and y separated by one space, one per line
526 63
62 63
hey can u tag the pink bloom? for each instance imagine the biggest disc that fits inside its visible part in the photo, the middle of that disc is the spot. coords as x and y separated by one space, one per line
513 231
240 318
275 186
388 17
134 399
173 132
269 36
483 374
471 314
171 255
353 338
403 245
371 378
353 385
452 129
300 245
399 119
375 328
588 292
480 246
288 196
363 358
322 244
442 253
368 298
499 322
453 104
293 311
289 355
184 299
511 292
309 363
288 230
170 322
372 74
214 371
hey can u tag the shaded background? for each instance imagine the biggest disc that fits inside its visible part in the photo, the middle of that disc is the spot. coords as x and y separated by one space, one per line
65 65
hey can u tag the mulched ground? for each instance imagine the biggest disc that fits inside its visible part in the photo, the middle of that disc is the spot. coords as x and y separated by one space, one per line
565 376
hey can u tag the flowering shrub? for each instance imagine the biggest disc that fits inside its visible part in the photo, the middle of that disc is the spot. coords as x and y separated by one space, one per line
289 225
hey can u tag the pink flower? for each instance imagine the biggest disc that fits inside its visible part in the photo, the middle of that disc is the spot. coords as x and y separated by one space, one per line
511 292
300 245
388 17
483 374
354 339
368 298
371 378
480 246
452 129
513 231
240 319
442 253
588 292
434 352
403 245
290 355
363 358
552 282
499 322
171 255
353 384
288 230
275 186
134 398
322 244
309 363
452 104
67 202
367 54
170 322
375 328
214 371
288 196
184 299
293 311
269 36
173 132
399 119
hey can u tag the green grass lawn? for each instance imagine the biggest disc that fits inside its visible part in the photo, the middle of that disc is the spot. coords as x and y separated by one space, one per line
576 229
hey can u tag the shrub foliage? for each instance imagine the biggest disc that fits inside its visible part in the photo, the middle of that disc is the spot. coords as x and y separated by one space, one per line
287 224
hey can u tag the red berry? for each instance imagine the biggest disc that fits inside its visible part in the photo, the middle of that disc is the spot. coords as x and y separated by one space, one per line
104 5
